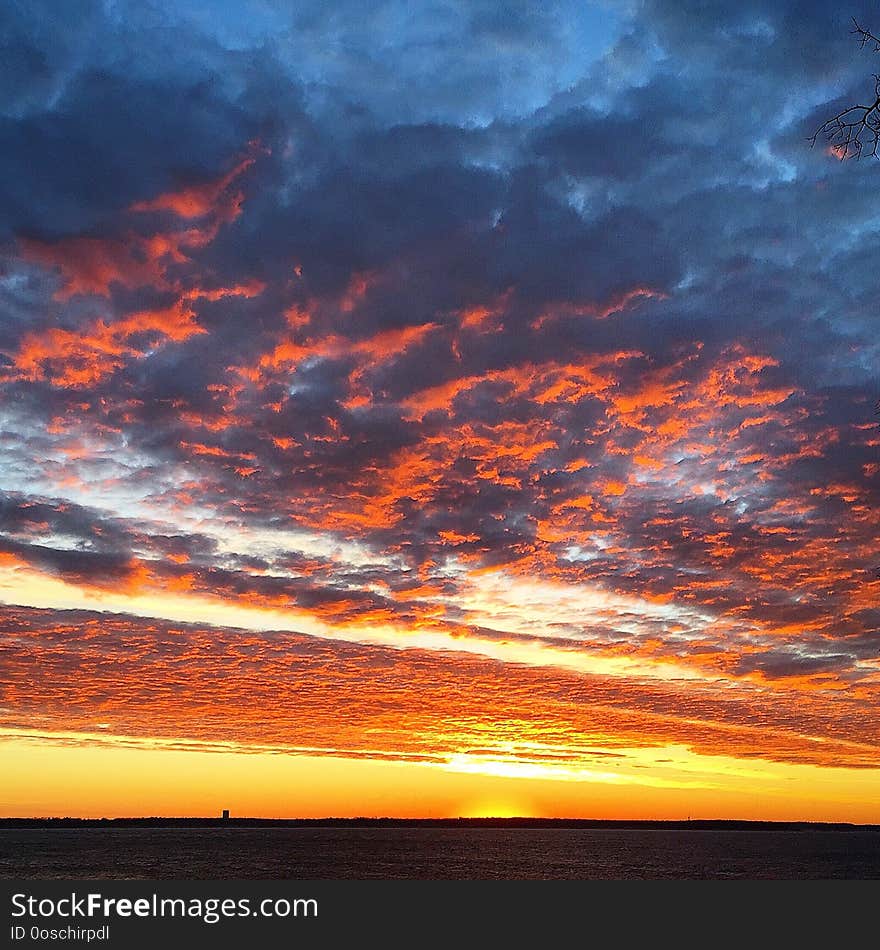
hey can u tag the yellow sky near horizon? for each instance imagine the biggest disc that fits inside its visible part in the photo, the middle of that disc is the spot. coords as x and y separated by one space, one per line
74 776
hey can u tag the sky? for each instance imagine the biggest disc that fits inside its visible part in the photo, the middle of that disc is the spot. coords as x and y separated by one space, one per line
437 408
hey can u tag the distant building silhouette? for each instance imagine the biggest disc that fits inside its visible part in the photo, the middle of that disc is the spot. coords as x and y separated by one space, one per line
225 814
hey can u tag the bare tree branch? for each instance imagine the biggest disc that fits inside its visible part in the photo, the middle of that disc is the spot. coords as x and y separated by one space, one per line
866 36
856 130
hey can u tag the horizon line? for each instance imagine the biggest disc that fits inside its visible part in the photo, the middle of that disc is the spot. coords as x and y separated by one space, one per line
471 821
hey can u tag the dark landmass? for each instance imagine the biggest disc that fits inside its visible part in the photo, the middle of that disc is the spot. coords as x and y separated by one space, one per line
689 825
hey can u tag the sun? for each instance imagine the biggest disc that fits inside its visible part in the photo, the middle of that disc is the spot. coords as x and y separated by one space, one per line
497 808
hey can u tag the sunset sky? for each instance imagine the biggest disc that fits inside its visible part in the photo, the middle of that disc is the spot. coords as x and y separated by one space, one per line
455 407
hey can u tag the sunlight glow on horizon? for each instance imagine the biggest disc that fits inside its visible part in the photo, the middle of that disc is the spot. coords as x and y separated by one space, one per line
143 780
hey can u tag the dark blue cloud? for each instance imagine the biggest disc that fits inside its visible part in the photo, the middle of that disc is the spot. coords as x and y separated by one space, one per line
564 225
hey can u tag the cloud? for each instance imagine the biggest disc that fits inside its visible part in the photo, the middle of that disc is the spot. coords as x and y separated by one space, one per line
481 338
183 683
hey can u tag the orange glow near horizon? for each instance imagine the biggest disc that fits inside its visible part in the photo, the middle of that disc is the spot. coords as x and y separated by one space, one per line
109 781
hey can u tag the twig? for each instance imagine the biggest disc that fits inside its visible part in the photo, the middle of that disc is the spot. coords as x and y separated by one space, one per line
856 130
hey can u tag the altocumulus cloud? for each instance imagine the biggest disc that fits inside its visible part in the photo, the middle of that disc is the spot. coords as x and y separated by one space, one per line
540 333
